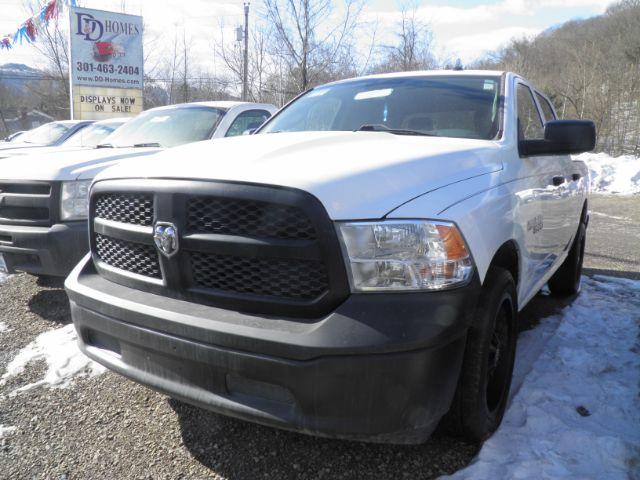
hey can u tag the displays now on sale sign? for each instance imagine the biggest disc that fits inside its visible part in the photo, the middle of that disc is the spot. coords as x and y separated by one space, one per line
106 64
98 103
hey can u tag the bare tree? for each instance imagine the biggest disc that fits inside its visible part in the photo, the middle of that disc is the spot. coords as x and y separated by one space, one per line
53 46
185 66
413 49
308 38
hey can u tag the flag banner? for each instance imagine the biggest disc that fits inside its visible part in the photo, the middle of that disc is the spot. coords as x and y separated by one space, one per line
31 27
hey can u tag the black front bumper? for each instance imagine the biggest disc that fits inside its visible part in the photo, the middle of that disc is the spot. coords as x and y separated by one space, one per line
380 367
53 250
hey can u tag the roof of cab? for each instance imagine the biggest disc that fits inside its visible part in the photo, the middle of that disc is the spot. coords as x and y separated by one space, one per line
226 104
109 121
426 73
71 122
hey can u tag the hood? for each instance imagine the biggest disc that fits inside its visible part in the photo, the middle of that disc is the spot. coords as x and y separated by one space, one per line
10 146
66 165
356 175
38 151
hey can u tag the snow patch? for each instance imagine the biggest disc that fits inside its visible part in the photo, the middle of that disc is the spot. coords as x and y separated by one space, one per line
5 431
576 413
612 175
3 267
59 349
3 327
613 217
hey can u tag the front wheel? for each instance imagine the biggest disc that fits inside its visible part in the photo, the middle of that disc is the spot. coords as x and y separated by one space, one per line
566 280
483 388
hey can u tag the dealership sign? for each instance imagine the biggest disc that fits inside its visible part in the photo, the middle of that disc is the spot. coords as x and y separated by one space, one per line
106 57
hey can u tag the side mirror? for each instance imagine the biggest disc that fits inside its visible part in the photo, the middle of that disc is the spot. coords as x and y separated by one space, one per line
250 131
562 137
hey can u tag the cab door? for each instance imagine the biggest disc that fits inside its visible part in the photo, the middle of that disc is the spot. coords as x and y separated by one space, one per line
546 230
573 184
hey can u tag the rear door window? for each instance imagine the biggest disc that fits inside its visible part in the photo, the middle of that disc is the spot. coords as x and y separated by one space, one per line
547 111
249 120
529 122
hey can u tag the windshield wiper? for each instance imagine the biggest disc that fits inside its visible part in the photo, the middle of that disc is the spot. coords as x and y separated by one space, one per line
397 131
105 145
148 144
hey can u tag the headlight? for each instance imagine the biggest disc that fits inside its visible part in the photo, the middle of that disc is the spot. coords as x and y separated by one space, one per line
74 200
405 255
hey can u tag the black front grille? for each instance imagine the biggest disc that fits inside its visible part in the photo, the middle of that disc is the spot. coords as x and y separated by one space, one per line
136 209
26 203
131 257
245 217
32 188
24 213
247 247
303 279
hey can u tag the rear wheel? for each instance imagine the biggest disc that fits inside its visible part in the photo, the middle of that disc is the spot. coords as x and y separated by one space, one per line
483 388
567 279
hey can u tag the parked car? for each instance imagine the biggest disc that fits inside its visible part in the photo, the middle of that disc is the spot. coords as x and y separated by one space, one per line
85 138
43 198
48 135
12 137
354 269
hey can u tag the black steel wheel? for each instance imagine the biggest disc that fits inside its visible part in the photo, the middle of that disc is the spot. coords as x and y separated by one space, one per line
485 380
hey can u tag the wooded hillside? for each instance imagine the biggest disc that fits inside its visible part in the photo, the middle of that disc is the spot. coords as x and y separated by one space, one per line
590 69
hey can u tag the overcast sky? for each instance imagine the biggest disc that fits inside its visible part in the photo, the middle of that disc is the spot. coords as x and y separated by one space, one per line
462 28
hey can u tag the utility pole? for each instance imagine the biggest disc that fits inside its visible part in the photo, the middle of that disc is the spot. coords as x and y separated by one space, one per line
245 70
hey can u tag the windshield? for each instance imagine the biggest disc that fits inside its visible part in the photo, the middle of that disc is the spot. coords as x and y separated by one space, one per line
91 135
45 134
446 106
167 127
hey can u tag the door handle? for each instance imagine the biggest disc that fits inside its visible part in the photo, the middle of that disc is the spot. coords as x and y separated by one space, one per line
557 181
576 176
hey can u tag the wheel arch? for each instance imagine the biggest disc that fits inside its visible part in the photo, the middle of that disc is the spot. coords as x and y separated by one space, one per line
584 216
507 256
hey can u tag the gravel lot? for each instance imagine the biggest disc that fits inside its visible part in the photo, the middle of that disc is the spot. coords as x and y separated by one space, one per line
109 427
613 237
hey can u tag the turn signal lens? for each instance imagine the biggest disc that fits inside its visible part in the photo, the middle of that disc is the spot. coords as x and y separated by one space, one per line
405 255
453 243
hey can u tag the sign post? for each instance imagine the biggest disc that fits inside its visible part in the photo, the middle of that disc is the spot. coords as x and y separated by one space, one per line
106 64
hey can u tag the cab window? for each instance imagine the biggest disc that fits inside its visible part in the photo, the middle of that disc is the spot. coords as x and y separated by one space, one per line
529 122
249 120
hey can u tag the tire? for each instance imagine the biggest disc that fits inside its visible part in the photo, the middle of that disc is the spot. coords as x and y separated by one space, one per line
566 280
483 387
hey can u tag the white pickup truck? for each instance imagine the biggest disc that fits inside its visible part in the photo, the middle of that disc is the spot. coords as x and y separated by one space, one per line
354 269
43 197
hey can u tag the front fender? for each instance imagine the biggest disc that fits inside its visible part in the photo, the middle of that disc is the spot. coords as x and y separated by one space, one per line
481 207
